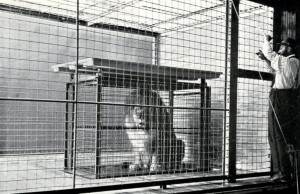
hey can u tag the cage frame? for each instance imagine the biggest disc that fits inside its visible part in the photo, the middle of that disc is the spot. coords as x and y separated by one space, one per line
114 71
236 73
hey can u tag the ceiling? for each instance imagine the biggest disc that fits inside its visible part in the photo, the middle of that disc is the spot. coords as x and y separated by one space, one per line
153 15
293 5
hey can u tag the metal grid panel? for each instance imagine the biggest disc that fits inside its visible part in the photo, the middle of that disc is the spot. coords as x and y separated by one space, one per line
32 139
255 21
65 124
253 153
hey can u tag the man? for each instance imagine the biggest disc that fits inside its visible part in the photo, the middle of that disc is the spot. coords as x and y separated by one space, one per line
283 102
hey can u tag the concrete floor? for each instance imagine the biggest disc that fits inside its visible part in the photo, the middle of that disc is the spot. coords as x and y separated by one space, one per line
33 173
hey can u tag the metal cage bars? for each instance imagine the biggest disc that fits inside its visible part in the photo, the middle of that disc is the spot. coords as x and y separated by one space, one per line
235 73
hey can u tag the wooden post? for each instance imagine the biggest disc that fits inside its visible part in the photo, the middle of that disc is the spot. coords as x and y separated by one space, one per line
73 124
207 126
171 116
233 89
98 127
202 143
68 146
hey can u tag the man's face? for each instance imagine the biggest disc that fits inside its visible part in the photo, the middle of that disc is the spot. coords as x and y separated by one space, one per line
283 50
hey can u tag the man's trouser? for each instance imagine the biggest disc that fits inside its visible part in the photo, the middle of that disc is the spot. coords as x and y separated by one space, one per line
283 106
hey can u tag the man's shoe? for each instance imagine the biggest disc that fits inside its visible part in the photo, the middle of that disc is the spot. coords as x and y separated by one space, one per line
280 177
276 177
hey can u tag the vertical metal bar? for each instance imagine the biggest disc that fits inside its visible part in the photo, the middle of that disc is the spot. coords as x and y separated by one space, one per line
225 89
207 124
76 96
171 103
98 128
233 90
157 49
202 129
66 128
73 127
69 124
170 119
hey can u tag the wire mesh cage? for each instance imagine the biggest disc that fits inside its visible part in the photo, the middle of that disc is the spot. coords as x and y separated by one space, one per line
101 93
159 136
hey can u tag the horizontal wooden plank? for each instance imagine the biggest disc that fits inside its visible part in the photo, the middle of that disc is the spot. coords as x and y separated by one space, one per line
154 84
242 73
121 68
123 29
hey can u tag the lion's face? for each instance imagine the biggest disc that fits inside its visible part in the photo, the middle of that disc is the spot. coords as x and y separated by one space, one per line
140 117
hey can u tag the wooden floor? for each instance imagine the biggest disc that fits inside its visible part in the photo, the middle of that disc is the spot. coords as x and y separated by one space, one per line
33 173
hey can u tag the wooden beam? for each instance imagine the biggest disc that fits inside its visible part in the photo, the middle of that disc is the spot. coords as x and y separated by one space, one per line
121 68
249 74
125 29
234 41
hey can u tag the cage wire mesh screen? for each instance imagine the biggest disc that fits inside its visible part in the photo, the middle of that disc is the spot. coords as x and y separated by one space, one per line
252 123
148 99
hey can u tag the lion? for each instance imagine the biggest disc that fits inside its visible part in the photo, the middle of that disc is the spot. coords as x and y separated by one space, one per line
151 134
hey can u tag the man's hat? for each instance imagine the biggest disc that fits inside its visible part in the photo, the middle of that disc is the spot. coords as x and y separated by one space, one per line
289 42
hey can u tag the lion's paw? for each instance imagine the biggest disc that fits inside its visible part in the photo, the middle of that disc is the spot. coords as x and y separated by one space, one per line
155 167
134 167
